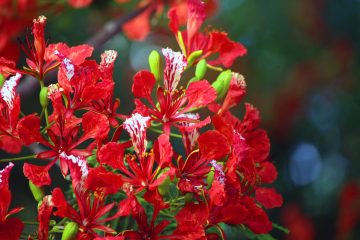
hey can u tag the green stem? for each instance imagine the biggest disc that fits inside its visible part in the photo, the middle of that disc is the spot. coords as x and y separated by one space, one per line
46 127
30 222
160 131
220 231
46 117
219 69
18 158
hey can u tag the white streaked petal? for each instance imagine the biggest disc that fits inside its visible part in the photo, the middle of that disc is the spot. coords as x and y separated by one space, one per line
8 90
175 65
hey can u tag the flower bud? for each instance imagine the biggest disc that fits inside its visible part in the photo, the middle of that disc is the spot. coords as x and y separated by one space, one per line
222 83
181 42
201 68
193 57
210 177
43 96
37 192
155 64
70 231
188 197
165 186
2 80
39 204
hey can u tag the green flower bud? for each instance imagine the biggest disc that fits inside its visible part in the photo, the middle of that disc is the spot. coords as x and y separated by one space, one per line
37 192
181 42
194 56
188 197
43 96
201 69
210 177
70 231
222 83
155 64
165 186
2 80
39 204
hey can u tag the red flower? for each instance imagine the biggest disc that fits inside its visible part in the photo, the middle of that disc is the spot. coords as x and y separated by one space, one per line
143 171
92 207
173 103
9 113
10 228
145 230
79 3
44 214
210 43
62 141
349 210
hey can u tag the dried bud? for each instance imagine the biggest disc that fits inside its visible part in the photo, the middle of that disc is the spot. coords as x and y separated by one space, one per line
37 192
2 80
222 83
155 64
194 56
43 96
201 69
70 231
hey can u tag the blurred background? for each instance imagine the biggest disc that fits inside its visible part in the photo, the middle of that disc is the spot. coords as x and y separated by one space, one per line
302 70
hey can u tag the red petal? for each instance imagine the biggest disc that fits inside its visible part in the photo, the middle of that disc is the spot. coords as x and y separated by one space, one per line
217 193
44 213
60 203
29 130
235 93
143 84
10 144
252 117
268 197
163 151
213 145
102 181
11 229
173 21
39 175
139 27
107 64
228 50
196 17
79 53
267 172
112 154
95 125
4 176
200 94
79 3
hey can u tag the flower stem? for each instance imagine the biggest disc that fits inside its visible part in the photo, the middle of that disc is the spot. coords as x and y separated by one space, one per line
159 131
18 158
30 222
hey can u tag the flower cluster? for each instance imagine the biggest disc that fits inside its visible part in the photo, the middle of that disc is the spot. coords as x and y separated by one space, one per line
130 177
